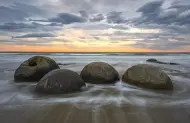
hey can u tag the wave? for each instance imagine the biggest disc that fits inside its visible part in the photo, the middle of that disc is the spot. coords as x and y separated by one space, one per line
147 54
100 54
117 94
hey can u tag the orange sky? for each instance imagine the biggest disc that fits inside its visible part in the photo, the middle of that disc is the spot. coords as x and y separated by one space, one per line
23 48
69 41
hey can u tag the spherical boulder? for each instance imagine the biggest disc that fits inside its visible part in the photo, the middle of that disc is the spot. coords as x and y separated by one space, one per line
34 69
147 76
60 81
99 73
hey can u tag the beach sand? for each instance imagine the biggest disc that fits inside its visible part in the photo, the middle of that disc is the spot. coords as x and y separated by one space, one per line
72 113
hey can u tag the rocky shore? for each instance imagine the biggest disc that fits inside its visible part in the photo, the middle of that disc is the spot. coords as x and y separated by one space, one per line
52 79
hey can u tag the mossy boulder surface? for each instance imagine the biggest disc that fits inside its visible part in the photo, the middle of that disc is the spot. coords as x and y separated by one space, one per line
99 73
60 81
147 76
34 69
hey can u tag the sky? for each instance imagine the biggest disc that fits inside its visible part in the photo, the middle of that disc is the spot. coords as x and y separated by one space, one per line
94 25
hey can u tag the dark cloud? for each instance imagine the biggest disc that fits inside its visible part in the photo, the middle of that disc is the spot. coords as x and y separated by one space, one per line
84 14
115 17
101 6
17 26
96 18
55 24
99 26
149 12
180 5
35 27
18 12
63 18
66 18
21 1
111 17
151 7
153 13
35 35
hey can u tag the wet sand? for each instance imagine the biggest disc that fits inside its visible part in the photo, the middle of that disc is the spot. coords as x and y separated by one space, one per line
97 104
73 113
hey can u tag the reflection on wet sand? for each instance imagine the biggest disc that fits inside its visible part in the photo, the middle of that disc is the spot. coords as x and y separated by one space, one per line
70 113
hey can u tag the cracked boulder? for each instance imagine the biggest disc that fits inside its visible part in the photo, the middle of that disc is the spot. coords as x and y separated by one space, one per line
33 69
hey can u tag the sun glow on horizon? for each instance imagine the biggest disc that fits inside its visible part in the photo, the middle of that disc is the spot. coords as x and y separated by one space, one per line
80 40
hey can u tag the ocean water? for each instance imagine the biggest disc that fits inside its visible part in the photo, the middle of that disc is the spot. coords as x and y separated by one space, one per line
12 93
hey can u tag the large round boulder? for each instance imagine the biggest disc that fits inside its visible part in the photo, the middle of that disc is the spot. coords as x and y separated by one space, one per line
147 76
34 69
60 81
99 73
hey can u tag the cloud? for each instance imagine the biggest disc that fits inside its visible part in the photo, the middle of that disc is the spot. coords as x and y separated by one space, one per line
153 13
111 17
55 24
96 18
162 41
159 45
35 35
84 14
38 41
19 12
181 5
99 26
97 38
35 27
115 17
17 26
103 21
168 13
150 7
67 18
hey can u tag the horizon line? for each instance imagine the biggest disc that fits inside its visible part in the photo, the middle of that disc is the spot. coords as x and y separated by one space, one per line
89 52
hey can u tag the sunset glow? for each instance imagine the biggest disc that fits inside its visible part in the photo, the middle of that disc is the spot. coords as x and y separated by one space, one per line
148 26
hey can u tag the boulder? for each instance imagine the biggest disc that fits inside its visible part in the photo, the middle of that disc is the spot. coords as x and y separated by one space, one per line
160 62
152 60
34 69
147 76
60 81
99 73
